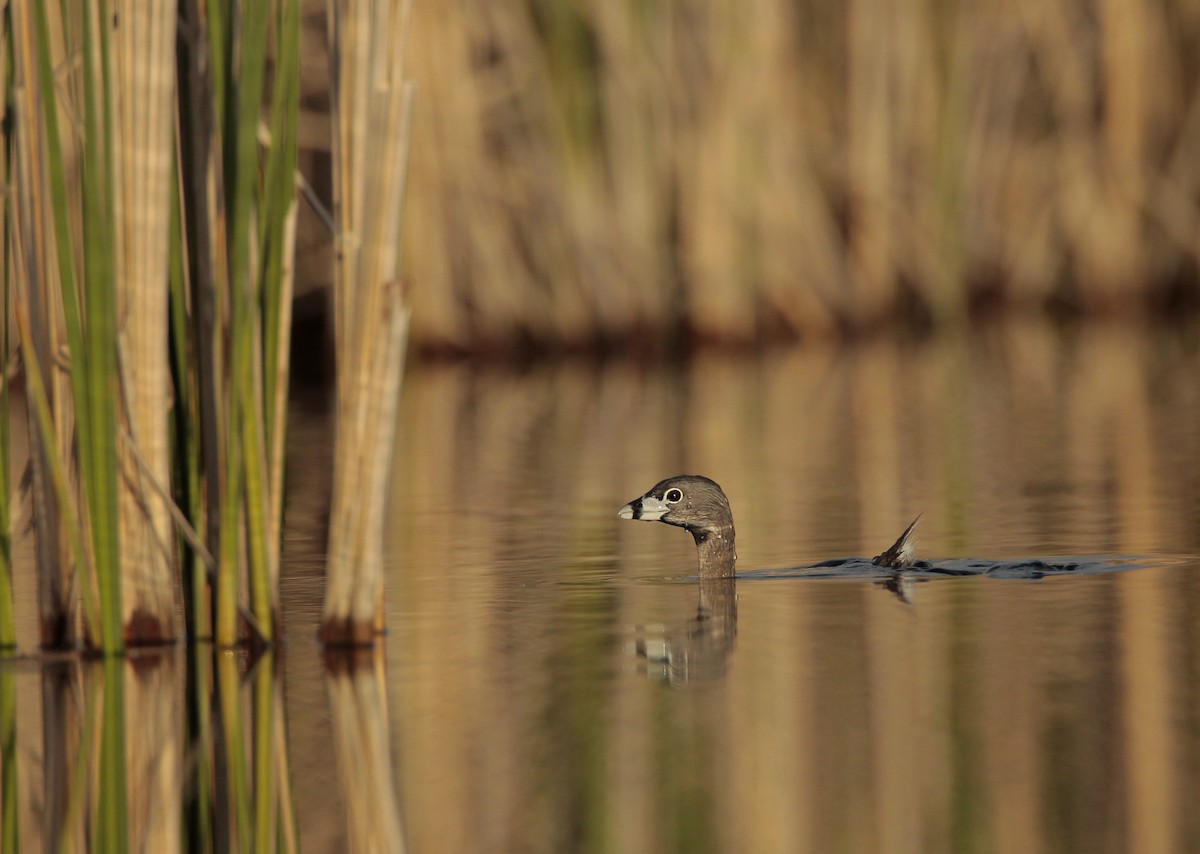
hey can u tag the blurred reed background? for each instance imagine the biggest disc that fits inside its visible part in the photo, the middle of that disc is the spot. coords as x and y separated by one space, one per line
588 173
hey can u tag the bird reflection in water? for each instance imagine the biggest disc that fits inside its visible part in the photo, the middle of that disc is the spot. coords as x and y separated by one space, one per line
694 650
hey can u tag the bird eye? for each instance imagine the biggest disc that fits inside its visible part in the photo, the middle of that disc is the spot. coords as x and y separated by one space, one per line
672 496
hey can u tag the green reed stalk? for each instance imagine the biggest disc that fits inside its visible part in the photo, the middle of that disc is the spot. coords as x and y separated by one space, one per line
91 328
195 303
99 372
277 229
227 255
8 629
8 632
246 424
259 201
189 490
226 633
44 227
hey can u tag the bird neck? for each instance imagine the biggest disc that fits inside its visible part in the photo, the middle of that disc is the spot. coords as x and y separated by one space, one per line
718 554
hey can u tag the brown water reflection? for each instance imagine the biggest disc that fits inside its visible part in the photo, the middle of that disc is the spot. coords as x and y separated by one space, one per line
555 679
1056 715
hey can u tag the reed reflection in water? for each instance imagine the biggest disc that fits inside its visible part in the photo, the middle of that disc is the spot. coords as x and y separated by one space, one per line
217 778
557 680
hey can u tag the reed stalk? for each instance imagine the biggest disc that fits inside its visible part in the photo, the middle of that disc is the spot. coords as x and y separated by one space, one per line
8 636
85 292
143 141
109 335
40 409
245 458
266 214
277 237
196 305
38 226
94 354
370 108
189 489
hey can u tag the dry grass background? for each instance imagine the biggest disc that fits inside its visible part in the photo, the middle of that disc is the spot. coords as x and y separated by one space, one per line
587 172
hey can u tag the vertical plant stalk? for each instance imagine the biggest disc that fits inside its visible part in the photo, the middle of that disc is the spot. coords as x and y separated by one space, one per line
371 112
8 632
261 214
189 486
39 406
144 57
196 309
8 629
87 302
277 237
98 348
38 219
245 461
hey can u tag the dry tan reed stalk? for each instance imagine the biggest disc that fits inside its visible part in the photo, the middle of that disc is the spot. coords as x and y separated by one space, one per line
144 59
371 109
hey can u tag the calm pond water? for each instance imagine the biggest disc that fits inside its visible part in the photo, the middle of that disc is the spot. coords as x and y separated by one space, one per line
556 680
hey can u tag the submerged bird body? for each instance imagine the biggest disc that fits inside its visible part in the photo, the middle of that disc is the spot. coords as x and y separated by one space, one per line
698 504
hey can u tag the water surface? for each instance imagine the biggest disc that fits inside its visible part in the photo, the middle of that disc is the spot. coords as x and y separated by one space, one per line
989 714
556 679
